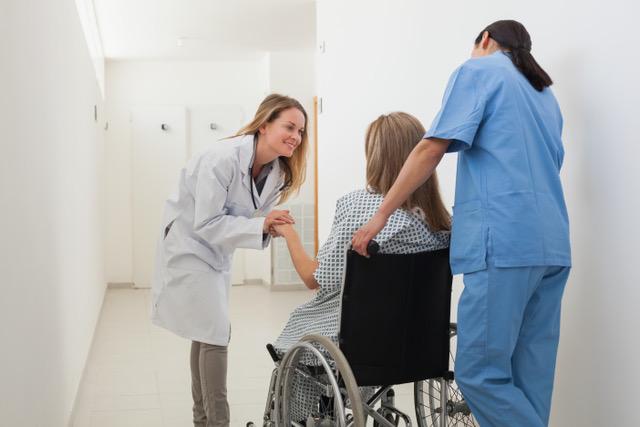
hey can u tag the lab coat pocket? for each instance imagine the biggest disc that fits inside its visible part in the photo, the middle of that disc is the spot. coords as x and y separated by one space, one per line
195 304
468 238
209 257
183 252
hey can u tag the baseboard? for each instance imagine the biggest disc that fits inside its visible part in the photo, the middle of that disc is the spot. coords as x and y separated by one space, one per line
245 282
252 282
80 392
120 285
290 287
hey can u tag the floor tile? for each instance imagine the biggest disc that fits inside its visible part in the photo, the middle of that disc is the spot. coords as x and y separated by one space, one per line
138 374
142 418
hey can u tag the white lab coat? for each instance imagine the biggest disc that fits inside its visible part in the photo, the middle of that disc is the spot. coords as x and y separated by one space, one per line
211 215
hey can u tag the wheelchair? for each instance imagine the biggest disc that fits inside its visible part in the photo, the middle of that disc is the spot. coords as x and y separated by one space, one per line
394 329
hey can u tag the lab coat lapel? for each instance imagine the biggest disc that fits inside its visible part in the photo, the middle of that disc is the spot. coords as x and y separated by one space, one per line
274 179
273 183
246 159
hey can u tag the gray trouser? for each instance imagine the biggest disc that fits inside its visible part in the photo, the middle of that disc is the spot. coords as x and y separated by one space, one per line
209 385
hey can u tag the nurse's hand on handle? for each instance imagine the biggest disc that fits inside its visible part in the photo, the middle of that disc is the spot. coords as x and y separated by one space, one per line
368 231
277 217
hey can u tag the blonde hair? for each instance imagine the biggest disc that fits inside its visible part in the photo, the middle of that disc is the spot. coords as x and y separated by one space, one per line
389 141
294 167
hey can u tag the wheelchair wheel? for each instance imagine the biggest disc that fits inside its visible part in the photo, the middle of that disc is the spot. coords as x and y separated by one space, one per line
431 409
387 416
324 389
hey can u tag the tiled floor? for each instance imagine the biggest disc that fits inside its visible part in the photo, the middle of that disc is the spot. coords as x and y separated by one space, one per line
138 374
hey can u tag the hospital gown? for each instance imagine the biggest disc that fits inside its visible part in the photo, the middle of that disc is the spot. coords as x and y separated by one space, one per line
405 233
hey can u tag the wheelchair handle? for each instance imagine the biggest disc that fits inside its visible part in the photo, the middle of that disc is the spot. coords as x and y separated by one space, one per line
273 353
373 247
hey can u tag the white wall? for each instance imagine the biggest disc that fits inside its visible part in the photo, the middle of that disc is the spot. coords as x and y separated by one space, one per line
242 82
397 55
88 19
293 73
51 187
159 83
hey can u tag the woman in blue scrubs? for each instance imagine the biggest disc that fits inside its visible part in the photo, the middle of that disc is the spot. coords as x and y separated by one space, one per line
510 235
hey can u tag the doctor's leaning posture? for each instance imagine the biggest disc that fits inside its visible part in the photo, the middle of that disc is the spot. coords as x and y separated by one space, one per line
224 201
510 234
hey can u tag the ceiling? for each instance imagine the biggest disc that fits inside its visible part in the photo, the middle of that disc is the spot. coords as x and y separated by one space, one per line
203 29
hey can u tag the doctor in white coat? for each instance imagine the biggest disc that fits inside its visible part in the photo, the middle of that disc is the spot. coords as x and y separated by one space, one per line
224 201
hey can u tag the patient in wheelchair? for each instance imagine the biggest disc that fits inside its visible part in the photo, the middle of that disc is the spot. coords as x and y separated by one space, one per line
422 224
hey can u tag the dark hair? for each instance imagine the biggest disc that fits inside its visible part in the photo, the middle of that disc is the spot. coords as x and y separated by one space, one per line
513 36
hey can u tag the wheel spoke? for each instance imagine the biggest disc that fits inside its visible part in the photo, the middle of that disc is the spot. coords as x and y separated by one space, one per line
429 408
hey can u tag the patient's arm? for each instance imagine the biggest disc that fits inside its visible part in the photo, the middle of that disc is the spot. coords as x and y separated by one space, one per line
304 264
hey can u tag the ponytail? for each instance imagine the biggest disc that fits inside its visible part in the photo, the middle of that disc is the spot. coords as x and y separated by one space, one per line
526 63
513 37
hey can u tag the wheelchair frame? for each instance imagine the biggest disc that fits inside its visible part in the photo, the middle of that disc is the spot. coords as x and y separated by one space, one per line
343 384
444 406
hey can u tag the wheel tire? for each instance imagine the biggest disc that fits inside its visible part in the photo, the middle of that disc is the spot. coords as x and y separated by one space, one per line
428 413
341 370
342 366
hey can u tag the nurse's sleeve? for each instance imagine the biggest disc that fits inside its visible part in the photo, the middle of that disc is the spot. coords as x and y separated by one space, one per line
462 110
211 222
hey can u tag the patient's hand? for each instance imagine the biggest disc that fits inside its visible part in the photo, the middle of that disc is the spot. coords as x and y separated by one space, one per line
304 265
281 230
276 217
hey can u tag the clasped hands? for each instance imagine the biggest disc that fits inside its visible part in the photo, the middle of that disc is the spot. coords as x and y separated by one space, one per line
278 222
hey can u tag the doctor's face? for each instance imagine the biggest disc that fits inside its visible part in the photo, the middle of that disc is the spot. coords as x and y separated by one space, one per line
284 134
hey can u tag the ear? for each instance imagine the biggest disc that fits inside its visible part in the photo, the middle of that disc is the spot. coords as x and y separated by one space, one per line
262 129
484 43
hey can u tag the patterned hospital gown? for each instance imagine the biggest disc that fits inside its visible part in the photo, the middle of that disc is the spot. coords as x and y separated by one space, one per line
405 232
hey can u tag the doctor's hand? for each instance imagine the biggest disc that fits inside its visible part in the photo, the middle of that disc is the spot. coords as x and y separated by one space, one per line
277 217
367 232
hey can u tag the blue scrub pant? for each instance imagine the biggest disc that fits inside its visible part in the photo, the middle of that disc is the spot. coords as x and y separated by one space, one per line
508 331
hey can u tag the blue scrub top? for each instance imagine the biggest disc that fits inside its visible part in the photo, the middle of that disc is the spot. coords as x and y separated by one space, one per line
509 202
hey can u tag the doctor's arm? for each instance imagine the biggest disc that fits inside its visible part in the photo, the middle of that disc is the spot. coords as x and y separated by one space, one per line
213 224
303 263
416 170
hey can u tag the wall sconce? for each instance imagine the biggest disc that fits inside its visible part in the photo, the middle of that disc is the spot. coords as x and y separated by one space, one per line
164 126
213 126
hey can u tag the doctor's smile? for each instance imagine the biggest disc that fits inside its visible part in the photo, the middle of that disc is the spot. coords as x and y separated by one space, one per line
284 135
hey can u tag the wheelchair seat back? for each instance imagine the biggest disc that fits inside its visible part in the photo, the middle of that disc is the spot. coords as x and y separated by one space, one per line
395 311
